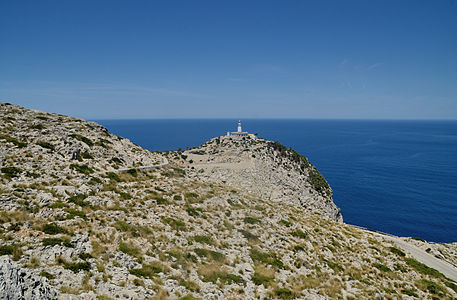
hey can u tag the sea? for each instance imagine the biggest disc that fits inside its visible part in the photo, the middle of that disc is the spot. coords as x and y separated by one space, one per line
398 177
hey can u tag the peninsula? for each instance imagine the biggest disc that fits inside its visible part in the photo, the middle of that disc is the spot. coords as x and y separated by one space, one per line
85 214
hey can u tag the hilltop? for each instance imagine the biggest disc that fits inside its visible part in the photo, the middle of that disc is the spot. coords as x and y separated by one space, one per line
86 214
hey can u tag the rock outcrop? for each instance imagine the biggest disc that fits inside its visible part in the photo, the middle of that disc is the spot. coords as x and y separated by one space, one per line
18 283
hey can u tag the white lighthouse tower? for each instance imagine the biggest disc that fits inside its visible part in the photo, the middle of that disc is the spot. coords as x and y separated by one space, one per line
240 134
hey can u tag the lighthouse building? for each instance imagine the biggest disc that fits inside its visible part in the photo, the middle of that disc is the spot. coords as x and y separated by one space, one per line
239 134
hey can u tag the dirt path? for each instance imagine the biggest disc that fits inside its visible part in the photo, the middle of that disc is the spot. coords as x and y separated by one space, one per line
144 168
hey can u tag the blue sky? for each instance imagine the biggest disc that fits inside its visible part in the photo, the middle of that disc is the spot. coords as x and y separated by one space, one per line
231 59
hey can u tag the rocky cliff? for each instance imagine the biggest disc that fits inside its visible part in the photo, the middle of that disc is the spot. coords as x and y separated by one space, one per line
266 169
85 214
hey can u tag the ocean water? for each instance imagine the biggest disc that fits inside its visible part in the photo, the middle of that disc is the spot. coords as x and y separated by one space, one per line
398 177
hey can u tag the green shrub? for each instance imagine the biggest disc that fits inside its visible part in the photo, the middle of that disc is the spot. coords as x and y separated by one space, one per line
251 220
47 275
285 223
146 271
129 249
214 255
75 267
133 172
58 204
223 277
95 180
283 293
397 251
87 155
6 250
14 250
420 267
318 181
204 239
79 200
192 211
85 256
12 140
382 267
113 176
83 139
52 229
72 213
248 235
57 241
116 160
259 279
37 126
334 266
46 145
85 169
175 224
409 293
11 172
300 234
125 196
265 258
431 287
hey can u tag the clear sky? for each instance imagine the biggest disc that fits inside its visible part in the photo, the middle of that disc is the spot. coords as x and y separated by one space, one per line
231 59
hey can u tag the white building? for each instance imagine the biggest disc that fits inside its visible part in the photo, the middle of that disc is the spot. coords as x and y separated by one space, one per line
239 134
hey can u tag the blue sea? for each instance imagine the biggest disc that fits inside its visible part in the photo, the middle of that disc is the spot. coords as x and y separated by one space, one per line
398 177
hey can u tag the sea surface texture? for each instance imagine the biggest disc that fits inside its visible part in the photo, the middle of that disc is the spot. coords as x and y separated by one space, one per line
398 177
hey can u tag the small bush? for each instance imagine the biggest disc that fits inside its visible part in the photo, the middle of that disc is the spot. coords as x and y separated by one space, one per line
129 249
397 251
223 277
52 229
79 200
285 223
47 275
57 241
75 267
85 169
133 172
11 172
87 155
259 279
146 271
46 145
175 224
83 139
251 220
116 160
113 176
204 239
12 140
382 268
37 126
283 293
248 235
192 212
300 234
72 213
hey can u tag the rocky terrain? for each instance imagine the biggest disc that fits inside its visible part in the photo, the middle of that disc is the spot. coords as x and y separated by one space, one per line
85 214
266 169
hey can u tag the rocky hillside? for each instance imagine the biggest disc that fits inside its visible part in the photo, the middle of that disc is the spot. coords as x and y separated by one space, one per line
266 169
114 221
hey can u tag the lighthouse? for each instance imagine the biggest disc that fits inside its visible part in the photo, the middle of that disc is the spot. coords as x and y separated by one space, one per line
240 134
